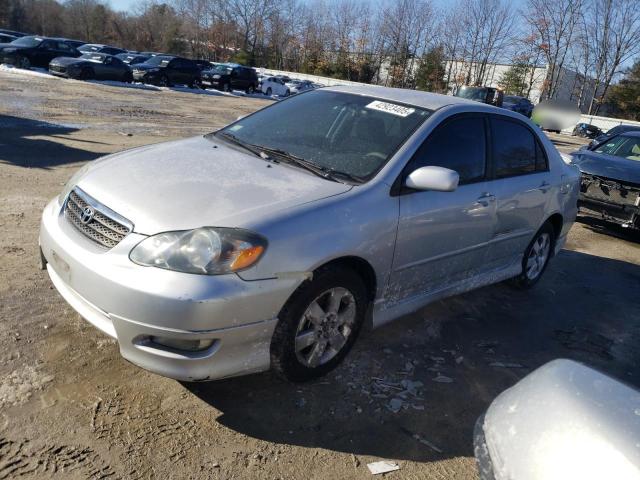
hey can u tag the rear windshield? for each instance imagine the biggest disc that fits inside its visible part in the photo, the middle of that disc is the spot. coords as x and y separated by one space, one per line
27 41
348 133
158 61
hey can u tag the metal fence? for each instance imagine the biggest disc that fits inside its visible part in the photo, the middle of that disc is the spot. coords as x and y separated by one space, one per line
604 123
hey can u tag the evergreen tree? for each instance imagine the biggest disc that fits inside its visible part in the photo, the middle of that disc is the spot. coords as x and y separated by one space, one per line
431 71
514 80
625 97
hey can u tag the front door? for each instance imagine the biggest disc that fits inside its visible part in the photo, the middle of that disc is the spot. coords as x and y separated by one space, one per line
443 236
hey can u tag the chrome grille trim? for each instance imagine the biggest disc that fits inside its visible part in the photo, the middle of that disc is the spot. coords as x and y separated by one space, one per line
106 228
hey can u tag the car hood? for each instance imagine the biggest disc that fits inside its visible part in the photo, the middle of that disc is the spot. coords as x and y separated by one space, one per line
9 46
607 166
66 61
198 182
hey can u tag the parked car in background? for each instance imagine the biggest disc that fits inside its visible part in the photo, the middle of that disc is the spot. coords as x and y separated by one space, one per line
229 76
99 48
488 95
92 66
32 51
6 38
72 43
203 64
299 86
617 130
272 241
275 86
167 70
12 33
610 179
518 104
586 130
133 58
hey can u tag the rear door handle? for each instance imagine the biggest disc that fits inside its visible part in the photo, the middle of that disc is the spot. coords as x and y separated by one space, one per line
485 199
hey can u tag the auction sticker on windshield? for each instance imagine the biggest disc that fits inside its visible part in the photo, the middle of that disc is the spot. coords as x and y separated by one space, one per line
392 108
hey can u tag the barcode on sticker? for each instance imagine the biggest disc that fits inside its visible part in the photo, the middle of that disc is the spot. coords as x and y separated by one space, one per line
392 108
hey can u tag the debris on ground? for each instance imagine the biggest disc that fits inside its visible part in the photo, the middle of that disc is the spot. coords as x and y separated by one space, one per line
427 443
383 466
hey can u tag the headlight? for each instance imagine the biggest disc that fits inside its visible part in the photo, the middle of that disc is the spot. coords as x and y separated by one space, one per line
216 76
206 250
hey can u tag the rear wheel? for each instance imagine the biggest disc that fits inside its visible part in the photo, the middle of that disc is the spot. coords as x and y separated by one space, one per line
319 324
164 81
226 87
536 258
250 89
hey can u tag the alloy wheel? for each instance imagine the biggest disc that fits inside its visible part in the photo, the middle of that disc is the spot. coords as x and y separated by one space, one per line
325 327
538 255
24 62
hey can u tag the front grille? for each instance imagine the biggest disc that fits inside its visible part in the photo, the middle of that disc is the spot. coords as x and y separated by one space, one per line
57 68
104 227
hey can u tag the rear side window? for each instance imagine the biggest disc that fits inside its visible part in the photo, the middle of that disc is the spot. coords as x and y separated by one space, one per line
459 145
515 149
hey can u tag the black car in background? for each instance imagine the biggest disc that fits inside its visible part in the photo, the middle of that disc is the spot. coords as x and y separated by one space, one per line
610 179
586 130
133 58
617 130
203 64
518 104
230 76
33 51
167 70
6 38
12 33
92 66
100 48
72 43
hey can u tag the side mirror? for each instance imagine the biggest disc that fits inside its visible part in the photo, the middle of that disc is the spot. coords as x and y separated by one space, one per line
439 179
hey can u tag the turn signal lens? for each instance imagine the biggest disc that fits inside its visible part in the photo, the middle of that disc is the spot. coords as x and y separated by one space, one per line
246 258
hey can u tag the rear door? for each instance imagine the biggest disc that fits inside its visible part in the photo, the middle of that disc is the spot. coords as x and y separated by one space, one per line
443 236
522 185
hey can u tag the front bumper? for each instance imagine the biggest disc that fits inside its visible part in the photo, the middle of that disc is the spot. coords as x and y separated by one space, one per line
610 200
133 303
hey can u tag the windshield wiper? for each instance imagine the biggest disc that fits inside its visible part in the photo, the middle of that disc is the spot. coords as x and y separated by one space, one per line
324 172
247 146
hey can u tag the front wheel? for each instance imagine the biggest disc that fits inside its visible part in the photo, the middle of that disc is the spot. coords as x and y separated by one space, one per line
250 89
164 81
24 62
226 87
536 258
269 91
319 324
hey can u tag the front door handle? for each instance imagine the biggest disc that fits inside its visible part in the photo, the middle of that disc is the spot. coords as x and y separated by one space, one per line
485 199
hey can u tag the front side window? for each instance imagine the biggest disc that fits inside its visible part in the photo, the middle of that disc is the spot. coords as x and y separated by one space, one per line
347 133
515 149
459 145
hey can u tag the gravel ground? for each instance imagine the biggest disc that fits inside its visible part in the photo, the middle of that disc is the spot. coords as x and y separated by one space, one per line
410 392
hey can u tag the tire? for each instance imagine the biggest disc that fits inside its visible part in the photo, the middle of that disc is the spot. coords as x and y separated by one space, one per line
327 340
250 89
86 74
128 78
269 91
196 84
533 264
164 81
287 93
23 62
226 87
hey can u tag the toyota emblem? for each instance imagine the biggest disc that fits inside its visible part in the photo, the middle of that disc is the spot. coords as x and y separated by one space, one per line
87 215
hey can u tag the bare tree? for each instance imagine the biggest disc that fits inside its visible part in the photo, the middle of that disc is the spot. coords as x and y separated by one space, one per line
555 23
614 29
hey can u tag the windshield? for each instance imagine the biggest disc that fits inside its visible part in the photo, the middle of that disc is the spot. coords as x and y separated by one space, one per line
222 69
94 57
352 134
27 42
158 61
621 146
472 93
511 99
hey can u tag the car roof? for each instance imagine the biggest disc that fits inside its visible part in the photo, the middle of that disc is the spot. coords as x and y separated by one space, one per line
428 100
634 133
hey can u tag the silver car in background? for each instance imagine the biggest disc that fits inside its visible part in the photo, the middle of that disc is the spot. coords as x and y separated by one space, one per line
257 247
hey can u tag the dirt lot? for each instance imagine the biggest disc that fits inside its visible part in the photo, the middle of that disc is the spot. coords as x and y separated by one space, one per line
70 407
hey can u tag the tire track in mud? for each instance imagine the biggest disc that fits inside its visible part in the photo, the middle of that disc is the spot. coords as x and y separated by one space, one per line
19 460
148 433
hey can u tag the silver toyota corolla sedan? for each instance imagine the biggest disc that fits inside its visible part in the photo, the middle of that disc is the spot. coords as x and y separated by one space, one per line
272 241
